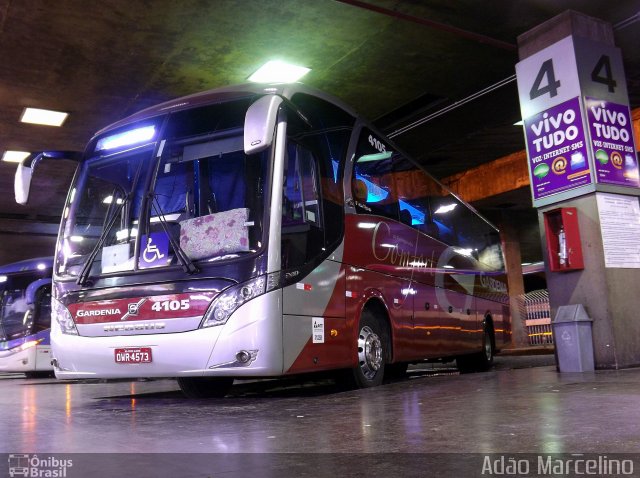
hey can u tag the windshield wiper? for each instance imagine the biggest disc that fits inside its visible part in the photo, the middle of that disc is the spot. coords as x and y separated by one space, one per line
109 222
188 265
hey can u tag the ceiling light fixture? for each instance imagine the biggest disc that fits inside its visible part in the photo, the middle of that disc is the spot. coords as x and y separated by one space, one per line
45 117
15 156
276 71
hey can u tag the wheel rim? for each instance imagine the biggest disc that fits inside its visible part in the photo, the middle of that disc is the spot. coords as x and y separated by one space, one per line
369 352
488 347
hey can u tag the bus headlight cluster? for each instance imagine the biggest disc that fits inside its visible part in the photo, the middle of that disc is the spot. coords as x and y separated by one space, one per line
228 301
63 318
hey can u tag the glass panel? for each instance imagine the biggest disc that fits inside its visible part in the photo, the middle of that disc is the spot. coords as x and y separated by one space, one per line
302 232
16 315
42 309
211 196
106 200
313 209
202 177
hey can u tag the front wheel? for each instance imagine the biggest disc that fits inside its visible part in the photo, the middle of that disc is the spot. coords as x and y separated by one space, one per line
205 387
372 347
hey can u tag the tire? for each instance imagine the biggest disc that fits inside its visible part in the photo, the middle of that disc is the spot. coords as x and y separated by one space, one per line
205 387
47 374
481 361
372 348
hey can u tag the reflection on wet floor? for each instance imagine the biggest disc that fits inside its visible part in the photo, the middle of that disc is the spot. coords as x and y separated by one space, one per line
523 405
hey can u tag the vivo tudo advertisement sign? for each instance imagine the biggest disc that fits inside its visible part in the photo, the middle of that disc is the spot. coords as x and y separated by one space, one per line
558 157
578 131
611 142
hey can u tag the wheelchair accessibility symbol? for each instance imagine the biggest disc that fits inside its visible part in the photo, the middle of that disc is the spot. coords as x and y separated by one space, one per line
156 250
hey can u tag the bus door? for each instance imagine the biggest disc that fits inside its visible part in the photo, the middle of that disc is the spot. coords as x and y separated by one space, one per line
312 221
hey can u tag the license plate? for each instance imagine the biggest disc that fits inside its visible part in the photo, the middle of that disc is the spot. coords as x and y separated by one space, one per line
133 355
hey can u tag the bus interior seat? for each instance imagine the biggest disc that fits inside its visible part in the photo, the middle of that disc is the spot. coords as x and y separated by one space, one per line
405 217
360 191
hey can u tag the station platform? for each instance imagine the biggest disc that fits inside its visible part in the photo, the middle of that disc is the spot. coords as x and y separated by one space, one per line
312 428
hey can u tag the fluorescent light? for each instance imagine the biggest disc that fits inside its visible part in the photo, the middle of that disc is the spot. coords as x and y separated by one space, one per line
14 156
445 209
374 157
41 266
46 117
276 71
126 138
464 252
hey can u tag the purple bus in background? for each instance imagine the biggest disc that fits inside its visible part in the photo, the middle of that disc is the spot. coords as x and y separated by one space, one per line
25 317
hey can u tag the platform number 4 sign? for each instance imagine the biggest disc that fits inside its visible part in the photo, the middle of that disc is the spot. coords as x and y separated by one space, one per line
602 73
545 81
567 69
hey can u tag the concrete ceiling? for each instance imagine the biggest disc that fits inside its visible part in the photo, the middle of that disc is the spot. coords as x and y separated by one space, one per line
394 61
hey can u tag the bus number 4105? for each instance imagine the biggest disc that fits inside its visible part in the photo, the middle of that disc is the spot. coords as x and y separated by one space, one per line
168 305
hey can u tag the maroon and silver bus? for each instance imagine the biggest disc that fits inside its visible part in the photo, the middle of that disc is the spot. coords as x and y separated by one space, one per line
263 231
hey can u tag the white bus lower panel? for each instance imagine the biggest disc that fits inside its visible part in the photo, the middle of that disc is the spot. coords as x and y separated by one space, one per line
255 329
24 359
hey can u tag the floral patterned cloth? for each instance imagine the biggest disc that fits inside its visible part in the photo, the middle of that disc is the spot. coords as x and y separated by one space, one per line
215 234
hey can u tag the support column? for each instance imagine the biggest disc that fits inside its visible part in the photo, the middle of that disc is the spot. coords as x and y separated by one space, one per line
513 264
596 175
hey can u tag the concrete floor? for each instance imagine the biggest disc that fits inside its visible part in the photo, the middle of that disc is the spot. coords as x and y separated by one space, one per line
522 406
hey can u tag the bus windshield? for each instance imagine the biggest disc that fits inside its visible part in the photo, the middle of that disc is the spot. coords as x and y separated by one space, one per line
151 196
19 317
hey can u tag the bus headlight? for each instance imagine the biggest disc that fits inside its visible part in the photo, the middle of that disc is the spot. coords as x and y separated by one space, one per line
229 300
63 317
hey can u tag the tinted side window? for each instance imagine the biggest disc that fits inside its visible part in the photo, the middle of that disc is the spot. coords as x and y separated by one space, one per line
372 183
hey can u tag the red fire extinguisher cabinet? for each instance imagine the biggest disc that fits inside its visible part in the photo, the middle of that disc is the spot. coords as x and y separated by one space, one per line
558 223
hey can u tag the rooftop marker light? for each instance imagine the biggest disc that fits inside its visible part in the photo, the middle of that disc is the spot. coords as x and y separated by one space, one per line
276 71
126 138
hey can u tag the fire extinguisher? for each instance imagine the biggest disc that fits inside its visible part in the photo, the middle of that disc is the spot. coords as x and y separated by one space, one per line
562 248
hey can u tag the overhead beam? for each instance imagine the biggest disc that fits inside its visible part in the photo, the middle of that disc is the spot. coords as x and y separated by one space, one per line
490 179
504 174
25 226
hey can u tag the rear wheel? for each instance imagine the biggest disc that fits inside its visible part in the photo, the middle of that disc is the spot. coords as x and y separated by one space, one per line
372 347
481 361
205 387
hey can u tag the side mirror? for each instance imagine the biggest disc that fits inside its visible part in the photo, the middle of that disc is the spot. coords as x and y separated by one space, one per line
22 183
24 172
260 123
